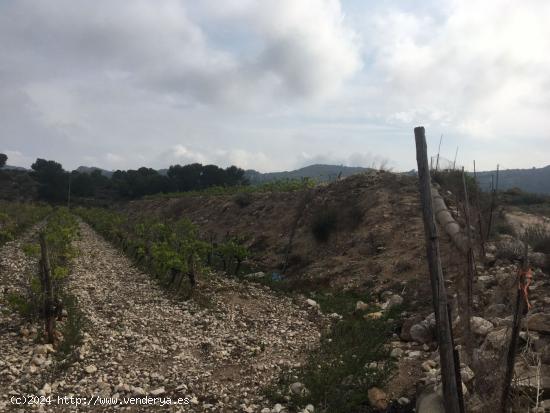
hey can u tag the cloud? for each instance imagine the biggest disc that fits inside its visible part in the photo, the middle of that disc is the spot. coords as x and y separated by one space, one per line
470 70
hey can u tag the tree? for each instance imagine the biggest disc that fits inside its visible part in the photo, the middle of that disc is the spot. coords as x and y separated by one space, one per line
3 159
52 180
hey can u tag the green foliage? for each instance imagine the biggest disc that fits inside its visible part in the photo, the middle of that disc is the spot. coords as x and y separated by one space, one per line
171 251
324 224
451 180
71 330
516 196
32 250
53 181
352 357
20 303
243 199
232 253
3 159
287 185
59 232
538 237
16 217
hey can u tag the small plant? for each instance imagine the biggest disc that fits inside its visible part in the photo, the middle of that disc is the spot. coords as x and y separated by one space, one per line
71 331
324 224
538 237
243 199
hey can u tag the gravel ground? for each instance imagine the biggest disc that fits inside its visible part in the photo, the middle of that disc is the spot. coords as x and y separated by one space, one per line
139 341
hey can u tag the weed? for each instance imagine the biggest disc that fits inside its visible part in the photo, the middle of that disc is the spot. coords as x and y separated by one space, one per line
71 330
243 199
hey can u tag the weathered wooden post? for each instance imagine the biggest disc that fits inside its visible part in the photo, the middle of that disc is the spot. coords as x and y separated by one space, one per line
439 296
46 281
479 215
470 279
519 310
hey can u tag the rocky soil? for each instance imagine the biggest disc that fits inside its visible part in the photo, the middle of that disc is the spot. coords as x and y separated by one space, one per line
140 341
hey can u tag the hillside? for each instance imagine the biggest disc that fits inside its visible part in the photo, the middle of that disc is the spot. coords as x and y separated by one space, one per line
536 180
321 173
377 233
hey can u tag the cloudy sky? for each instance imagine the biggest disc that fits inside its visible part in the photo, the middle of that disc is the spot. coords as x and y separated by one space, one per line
274 84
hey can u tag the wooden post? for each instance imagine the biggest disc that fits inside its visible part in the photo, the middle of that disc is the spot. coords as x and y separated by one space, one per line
470 279
519 310
479 215
493 203
438 152
439 295
46 281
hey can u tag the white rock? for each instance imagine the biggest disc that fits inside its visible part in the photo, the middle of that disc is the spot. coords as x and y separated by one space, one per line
138 391
312 303
157 392
480 326
91 369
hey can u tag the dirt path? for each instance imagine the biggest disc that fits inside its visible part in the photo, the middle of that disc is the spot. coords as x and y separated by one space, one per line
138 341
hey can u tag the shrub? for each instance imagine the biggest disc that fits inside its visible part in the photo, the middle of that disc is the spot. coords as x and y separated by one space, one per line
538 237
324 224
243 199
352 358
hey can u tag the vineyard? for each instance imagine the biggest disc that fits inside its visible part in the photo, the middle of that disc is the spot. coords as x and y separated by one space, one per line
16 217
170 251
300 300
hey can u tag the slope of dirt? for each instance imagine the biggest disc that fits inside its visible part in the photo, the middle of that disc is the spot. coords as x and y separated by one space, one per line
378 240
138 341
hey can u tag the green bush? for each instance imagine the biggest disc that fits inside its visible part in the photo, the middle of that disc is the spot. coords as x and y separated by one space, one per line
538 237
243 199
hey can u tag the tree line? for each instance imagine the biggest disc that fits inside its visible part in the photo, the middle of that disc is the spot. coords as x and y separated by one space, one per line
54 182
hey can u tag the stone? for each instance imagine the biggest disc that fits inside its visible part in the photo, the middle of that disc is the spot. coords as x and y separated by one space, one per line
157 392
138 391
91 369
394 301
309 408
539 322
428 365
430 401
496 339
297 388
377 398
312 303
495 310
480 326
361 306
373 316
278 408
403 401
421 334
38 360
396 353
405 334
467 374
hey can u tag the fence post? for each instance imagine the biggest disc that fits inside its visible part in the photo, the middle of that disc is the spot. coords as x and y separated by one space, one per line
451 398
519 310
471 270
46 281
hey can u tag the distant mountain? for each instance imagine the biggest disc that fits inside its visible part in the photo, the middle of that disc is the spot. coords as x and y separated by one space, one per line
14 168
90 169
535 180
322 173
